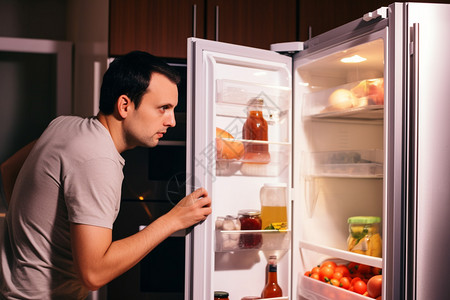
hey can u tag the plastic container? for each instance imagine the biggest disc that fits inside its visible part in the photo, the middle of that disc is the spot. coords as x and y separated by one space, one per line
364 235
273 204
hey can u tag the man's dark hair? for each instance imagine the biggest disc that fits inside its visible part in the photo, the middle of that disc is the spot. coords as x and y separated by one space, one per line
130 75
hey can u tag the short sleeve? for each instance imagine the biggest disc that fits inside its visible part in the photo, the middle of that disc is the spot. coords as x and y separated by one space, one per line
92 192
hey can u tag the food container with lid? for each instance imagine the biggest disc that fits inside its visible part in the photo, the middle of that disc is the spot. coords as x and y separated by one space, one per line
221 295
250 219
364 235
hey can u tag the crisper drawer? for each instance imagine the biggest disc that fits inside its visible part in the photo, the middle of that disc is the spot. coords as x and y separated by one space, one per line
314 289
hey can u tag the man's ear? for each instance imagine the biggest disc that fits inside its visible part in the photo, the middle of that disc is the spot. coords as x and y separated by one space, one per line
123 105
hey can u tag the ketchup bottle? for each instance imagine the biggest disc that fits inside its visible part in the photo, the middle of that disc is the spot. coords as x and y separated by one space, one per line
272 289
255 128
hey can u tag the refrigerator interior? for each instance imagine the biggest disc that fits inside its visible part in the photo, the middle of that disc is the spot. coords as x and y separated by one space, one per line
234 184
339 134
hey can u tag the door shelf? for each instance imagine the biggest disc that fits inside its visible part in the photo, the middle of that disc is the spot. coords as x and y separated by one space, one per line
266 240
314 289
343 254
279 158
235 92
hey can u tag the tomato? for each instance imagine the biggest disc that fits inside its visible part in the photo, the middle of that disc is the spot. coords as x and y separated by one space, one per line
328 263
315 270
374 286
344 283
342 269
308 273
337 275
325 273
315 276
364 269
355 279
378 298
352 267
334 282
360 287
376 271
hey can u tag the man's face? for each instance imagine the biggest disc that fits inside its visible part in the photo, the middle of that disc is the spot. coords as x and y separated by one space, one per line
147 124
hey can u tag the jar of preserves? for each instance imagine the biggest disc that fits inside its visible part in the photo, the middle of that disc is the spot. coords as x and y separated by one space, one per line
256 128
364 235
250 219
221 295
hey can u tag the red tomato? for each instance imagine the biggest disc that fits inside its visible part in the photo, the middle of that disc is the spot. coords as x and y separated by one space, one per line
334 282
355 279
352 267
315 270
328 263
374 286
344 283
337 275
325 273
376 271
360 287
342 269
308 273
364 269
315 276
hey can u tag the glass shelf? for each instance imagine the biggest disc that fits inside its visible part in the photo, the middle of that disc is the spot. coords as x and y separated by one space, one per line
359 100
346 164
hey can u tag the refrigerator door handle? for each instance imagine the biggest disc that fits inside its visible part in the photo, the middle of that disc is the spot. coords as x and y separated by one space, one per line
411 265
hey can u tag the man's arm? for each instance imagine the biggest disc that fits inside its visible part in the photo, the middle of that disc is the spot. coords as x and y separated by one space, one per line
11 167
99 260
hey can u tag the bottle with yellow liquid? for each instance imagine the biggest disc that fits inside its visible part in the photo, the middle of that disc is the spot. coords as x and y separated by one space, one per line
273 205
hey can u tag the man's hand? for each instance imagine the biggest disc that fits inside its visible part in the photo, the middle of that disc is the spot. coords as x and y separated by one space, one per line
191 210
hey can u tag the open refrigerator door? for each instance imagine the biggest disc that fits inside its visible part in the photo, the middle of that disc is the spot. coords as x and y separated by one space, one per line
239 149
338 174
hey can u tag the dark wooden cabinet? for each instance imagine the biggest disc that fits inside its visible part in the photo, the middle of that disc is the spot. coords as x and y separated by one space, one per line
255 23
160 27
319 16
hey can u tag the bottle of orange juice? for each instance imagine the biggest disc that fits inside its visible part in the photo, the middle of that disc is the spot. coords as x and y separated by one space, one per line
273 204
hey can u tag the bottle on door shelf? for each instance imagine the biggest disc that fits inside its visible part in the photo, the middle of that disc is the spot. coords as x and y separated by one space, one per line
272 289
256 128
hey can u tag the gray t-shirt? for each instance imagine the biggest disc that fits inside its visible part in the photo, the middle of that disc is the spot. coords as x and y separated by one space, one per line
73 174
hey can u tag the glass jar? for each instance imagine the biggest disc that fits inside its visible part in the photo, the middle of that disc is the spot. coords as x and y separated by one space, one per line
364 235
221 295
256 128
250 219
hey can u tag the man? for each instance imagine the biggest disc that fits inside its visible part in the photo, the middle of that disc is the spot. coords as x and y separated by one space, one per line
58 239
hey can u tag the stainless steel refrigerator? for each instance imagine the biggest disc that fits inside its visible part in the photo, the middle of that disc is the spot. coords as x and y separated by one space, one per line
341 148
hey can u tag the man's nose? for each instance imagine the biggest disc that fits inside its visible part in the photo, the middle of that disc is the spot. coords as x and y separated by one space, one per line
171 120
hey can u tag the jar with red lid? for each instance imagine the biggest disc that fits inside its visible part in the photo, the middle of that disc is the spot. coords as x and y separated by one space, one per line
250 219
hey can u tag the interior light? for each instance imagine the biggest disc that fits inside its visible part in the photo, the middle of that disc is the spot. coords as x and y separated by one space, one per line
353 59
141 198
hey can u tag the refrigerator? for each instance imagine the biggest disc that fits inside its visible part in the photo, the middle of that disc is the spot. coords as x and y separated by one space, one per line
369 152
